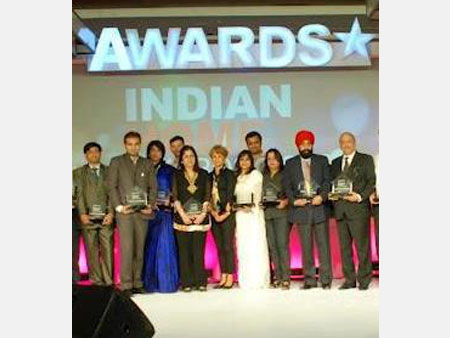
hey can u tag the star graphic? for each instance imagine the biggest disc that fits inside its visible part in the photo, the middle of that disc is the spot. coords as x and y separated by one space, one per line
355 41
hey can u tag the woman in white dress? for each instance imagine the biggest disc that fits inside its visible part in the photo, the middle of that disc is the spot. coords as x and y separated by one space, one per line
251 240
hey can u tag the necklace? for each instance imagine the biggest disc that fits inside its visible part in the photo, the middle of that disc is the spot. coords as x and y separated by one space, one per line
192 188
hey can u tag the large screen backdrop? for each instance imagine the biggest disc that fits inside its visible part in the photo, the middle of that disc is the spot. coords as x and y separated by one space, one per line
221 108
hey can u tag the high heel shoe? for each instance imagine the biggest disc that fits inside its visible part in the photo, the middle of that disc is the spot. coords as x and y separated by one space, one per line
228 286
219 286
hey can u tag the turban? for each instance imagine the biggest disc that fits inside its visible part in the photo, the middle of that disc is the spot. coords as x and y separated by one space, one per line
304 135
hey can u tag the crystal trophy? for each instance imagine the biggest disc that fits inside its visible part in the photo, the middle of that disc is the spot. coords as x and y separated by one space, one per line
271 196
193 207
97 213
307 190
163 199
243 200
340 187
137 199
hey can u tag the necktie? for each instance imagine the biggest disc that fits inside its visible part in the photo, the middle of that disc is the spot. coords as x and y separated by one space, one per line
95 171
346 165
307 171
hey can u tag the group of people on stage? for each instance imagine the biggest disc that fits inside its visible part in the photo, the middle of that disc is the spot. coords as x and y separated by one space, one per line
163 213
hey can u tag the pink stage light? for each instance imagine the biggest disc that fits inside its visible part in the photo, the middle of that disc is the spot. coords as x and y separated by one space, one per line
212 260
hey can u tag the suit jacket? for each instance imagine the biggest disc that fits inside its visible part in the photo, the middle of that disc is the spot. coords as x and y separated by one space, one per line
362 173
91 190
293 175
123 175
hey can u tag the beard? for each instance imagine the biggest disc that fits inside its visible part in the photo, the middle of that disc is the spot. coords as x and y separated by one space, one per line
307 153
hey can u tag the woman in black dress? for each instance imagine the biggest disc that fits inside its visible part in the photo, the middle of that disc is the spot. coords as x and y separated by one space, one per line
191 192
223 182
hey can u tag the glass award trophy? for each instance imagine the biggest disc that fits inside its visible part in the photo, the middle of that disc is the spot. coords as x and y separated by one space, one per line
217 207
137 199
243 200
340 187
193 207
307 190
271 196
163 199
97 213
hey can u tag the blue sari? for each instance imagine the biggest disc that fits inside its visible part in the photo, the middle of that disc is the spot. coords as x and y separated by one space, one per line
161 258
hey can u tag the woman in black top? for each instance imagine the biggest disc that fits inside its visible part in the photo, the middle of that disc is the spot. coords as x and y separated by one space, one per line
191 192
277 225
223 182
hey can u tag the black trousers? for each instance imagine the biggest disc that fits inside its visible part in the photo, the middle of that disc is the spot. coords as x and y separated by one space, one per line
319 232
376 209
191 253
277 230
224 237
357 230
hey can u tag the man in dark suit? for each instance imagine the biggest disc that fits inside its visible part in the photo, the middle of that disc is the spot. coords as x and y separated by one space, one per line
352 212
309 215
129 173
97 230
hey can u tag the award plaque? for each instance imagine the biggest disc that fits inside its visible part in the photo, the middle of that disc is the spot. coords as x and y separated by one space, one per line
217 207
97 213
137 199
193 207
340 187
271 196
244 201
163 199
307 190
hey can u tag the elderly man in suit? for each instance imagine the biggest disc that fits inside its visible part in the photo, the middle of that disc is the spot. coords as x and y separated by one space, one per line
130 175
308 211
96 216
352 211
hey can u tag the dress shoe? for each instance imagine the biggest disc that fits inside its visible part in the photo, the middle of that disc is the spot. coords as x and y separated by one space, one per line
346 286
308 286
285 285
139 291
187 289
202 288
275 284
326 286
363 287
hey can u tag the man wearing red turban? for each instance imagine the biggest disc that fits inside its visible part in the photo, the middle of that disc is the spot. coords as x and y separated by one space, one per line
307 184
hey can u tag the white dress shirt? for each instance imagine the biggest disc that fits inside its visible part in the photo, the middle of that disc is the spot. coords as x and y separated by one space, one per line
350 159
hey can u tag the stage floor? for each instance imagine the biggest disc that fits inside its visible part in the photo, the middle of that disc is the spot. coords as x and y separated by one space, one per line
264 313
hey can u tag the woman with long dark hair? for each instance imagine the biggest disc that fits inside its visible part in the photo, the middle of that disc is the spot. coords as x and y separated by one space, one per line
191 193
251 241
161 257
275 214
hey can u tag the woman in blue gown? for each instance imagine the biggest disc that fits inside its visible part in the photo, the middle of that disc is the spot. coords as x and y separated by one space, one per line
161 258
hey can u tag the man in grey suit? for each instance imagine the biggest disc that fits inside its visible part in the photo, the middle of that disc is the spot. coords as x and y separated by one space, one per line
92 202
128 173
352 212
309 214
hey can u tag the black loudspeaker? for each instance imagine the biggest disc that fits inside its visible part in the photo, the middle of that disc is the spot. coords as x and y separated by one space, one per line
104 312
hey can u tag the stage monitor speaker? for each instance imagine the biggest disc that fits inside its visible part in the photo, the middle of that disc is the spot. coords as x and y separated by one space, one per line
104 312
